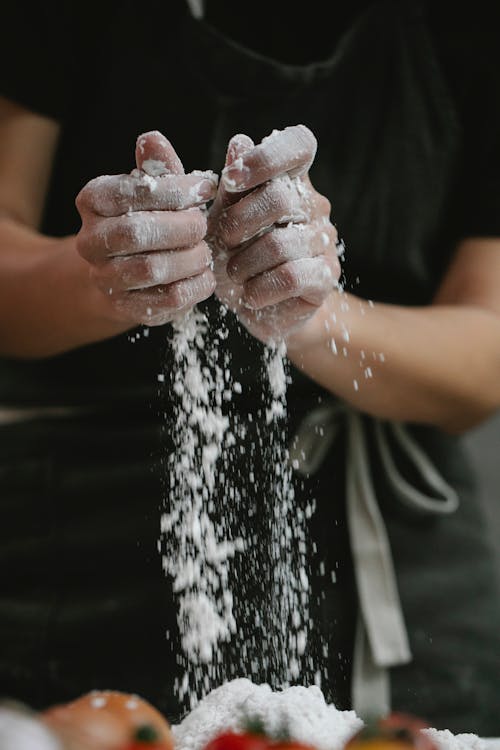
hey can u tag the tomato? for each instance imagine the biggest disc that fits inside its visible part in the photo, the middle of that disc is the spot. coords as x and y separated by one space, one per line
109 720
238 741
397 731
290 745
253 741
409 726
146 737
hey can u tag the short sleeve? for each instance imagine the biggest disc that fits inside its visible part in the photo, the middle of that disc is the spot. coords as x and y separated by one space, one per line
37 53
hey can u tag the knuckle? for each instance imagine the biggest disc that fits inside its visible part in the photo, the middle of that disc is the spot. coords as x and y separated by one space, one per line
288 277
86 244
278 198
198 224
324 205
203 257
103 278
189 227
175 296
129 232
235 270
137 270
122 192
275 245
132 230
228 227
84 201
201 287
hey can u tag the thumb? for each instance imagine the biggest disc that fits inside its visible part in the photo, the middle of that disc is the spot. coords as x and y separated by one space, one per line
155 155
237 146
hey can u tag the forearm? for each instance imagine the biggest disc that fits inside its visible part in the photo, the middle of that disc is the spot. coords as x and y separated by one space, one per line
403 363
47 303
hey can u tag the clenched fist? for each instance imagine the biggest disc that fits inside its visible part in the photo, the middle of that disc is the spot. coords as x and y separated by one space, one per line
143 236
275 248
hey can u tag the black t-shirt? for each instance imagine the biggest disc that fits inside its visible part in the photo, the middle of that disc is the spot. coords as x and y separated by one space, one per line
50 58
111 75
107 76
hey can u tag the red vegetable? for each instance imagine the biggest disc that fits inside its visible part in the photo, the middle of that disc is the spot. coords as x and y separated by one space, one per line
239 741
290 745
397 731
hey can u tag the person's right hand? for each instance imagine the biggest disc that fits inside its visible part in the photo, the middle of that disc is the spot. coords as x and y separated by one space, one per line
143 235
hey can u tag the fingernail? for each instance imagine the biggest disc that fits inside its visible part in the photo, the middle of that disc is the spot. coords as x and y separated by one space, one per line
206 189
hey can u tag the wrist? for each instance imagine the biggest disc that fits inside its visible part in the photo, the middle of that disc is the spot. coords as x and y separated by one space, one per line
74 277
312 333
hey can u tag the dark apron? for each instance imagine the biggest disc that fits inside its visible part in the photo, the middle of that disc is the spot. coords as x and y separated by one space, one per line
84 600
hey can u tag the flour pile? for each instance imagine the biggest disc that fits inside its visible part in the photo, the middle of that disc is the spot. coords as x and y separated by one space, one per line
303 710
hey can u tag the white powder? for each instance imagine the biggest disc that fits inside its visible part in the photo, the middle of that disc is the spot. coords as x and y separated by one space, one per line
289 618
446 740
203 508
154 167
197 553
302 710
205 504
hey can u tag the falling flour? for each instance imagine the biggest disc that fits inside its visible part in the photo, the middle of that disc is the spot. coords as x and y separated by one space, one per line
258 603
222 531
198 549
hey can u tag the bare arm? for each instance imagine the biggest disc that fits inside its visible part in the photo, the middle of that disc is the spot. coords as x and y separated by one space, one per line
43 281
437 365
142 262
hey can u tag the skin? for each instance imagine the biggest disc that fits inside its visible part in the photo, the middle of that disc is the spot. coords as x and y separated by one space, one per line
440 363
437 365
274 245
139 257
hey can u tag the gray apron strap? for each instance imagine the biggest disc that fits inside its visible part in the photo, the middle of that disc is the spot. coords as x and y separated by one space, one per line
196 7
371 688
381 638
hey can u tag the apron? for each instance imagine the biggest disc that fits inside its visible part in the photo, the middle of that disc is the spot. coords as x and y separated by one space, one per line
89 605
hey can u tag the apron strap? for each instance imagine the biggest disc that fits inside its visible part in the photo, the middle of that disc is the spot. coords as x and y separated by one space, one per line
381 638
371 687
374 570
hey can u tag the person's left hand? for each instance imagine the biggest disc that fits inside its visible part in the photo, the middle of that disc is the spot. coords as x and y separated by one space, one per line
273 244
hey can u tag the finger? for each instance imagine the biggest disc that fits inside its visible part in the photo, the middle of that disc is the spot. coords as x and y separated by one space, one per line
238 145
116 195
141 232
308 278
280 201
278 321
151 269
156 156
278 246
159 304
291 151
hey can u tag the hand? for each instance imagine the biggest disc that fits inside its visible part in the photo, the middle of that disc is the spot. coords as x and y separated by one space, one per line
274 246
143 236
